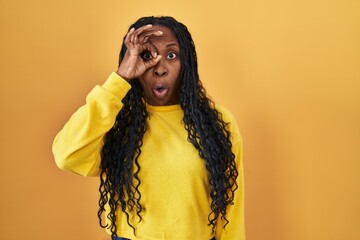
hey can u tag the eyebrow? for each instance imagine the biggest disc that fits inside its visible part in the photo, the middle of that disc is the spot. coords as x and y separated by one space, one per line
171 44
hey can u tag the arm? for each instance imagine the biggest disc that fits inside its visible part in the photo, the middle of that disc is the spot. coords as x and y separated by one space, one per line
234 213
77 146
235 229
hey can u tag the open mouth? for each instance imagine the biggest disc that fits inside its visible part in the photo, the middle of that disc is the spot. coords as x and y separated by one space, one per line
160 91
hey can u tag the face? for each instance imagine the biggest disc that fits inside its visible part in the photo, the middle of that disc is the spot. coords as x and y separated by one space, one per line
161 83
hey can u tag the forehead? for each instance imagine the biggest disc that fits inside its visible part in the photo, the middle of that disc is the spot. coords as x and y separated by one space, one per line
167 37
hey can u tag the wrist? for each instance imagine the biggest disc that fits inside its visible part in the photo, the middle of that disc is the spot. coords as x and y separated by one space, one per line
122 75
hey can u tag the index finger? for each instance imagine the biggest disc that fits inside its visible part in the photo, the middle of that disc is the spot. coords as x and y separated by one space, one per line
139 31
145 35
130 35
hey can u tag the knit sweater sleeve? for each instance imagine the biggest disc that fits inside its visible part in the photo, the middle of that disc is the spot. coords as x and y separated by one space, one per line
77 146
235 229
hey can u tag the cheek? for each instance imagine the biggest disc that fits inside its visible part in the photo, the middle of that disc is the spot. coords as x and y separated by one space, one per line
177 69
144 79
143 84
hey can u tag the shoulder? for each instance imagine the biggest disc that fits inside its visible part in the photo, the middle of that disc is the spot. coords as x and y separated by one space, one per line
226 113
229 118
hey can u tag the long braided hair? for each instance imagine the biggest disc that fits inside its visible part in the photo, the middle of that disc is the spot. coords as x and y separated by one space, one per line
119 178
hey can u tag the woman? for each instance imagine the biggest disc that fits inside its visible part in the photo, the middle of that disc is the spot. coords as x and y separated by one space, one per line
169 161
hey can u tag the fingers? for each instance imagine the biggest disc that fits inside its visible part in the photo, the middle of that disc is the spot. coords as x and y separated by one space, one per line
141 54
141 35
150 48
138 31
128 35
152 62
143 38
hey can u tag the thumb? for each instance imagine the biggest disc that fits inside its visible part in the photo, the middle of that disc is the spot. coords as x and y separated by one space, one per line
153 62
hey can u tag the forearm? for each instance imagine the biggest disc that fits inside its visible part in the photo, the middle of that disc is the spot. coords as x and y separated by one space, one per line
77 147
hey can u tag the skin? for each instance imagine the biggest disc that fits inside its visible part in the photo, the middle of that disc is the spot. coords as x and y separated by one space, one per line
153 57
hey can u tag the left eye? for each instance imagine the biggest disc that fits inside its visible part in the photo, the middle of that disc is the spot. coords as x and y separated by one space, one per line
171 55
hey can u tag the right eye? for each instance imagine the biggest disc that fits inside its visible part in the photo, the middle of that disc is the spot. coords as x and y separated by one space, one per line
146 56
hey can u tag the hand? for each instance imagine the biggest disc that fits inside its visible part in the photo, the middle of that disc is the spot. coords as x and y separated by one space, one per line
136 41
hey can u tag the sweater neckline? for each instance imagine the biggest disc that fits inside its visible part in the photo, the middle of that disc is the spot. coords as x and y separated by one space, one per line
167 108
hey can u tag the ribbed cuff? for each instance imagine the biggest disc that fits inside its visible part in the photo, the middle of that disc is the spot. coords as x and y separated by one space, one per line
117 85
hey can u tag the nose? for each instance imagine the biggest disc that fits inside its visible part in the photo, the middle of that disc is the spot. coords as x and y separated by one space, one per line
160 69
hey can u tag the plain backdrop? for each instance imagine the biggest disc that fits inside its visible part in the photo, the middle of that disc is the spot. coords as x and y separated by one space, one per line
288 70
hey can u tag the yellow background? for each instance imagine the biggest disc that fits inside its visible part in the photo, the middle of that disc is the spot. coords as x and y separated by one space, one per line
288 70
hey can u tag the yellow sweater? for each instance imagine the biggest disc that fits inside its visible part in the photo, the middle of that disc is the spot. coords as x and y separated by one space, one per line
174 183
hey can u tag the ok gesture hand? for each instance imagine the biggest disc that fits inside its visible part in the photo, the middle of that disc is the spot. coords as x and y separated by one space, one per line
136 41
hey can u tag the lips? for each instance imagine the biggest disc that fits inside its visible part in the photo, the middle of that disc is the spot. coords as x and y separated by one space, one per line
160 91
